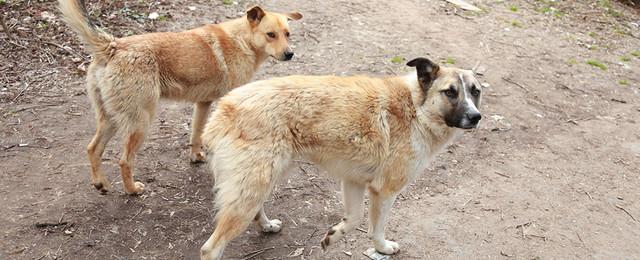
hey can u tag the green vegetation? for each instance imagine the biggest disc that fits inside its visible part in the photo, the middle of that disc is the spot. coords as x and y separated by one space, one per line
227 2
606 4
513 8
597 63
515 23
623 82
450 60
625 58
635 53
572 61
592 35
397 60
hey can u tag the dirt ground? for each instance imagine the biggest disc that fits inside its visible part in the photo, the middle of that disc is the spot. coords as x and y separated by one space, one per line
552 173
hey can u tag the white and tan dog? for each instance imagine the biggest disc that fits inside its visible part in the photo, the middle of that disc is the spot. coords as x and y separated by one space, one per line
374 134
128 76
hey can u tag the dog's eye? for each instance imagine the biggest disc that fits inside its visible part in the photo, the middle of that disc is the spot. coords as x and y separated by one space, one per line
271 34
286 34
475 92
451 92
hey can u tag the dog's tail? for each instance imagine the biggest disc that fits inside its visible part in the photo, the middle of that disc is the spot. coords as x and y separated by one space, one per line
97 41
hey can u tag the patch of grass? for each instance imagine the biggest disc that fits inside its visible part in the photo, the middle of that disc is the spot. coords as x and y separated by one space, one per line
227 2
397 60
592 35
163 17
572 61
625 58
597 64
515 23
607 5
3 2
546 9
513 8
450 60
635 53
623 82
593 47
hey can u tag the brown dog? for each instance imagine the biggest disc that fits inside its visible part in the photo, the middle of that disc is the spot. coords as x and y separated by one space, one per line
128 76
372 133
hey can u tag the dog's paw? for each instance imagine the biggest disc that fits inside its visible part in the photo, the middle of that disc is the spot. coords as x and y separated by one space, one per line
198 157
102 185
137 190
334 234
273 226
388 247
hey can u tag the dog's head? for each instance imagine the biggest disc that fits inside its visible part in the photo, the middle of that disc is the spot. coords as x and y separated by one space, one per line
453 95
270 32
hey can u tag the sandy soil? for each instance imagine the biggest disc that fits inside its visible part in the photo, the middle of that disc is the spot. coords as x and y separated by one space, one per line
552 173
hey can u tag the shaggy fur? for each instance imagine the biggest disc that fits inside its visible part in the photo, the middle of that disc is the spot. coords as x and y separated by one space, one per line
128 76
374 134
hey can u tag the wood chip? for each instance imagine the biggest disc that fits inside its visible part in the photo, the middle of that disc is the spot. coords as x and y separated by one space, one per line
464 5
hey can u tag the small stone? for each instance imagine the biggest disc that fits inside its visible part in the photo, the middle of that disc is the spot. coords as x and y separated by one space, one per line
154 15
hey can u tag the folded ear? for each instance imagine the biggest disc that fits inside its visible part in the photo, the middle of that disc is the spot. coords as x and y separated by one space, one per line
427 72
255 14
294 16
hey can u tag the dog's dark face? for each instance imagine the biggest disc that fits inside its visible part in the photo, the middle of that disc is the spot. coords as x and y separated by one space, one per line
451 94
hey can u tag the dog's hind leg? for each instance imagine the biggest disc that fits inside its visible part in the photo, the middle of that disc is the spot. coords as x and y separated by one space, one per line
132 142
200 113
104 132
268 225
353 198
244 180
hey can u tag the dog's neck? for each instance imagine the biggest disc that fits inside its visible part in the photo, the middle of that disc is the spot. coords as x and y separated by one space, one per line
240 30
426 125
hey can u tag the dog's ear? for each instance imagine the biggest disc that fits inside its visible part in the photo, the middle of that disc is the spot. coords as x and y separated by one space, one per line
255 14
294 16
427 72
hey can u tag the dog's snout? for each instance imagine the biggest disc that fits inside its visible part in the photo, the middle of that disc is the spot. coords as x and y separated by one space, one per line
474 117
288 55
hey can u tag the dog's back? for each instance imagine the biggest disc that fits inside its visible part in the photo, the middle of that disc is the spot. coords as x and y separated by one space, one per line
342 116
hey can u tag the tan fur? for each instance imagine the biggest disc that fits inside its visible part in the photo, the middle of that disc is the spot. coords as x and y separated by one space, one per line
129 75
372 133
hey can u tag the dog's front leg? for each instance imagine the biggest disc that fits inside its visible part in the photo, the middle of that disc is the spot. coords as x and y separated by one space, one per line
379 207
353 198
200 114
268 225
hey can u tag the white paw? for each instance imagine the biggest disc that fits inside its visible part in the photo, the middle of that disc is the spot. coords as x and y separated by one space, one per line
273 226
197 157
139 188
388 247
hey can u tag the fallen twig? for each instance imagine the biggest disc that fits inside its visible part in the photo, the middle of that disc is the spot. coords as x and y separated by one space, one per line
6 29
625 211
35 106
515 83
591 198
501 174
257 252
362 230
49 224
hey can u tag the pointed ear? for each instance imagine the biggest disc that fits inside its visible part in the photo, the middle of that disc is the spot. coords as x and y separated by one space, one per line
427 72
255 14
294 16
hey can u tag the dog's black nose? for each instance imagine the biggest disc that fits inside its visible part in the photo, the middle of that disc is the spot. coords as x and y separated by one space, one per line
474 117
288 55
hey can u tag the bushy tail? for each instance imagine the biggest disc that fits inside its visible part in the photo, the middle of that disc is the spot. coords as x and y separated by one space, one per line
97 41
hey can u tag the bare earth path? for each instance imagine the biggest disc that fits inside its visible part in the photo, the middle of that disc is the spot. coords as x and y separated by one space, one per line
552 173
